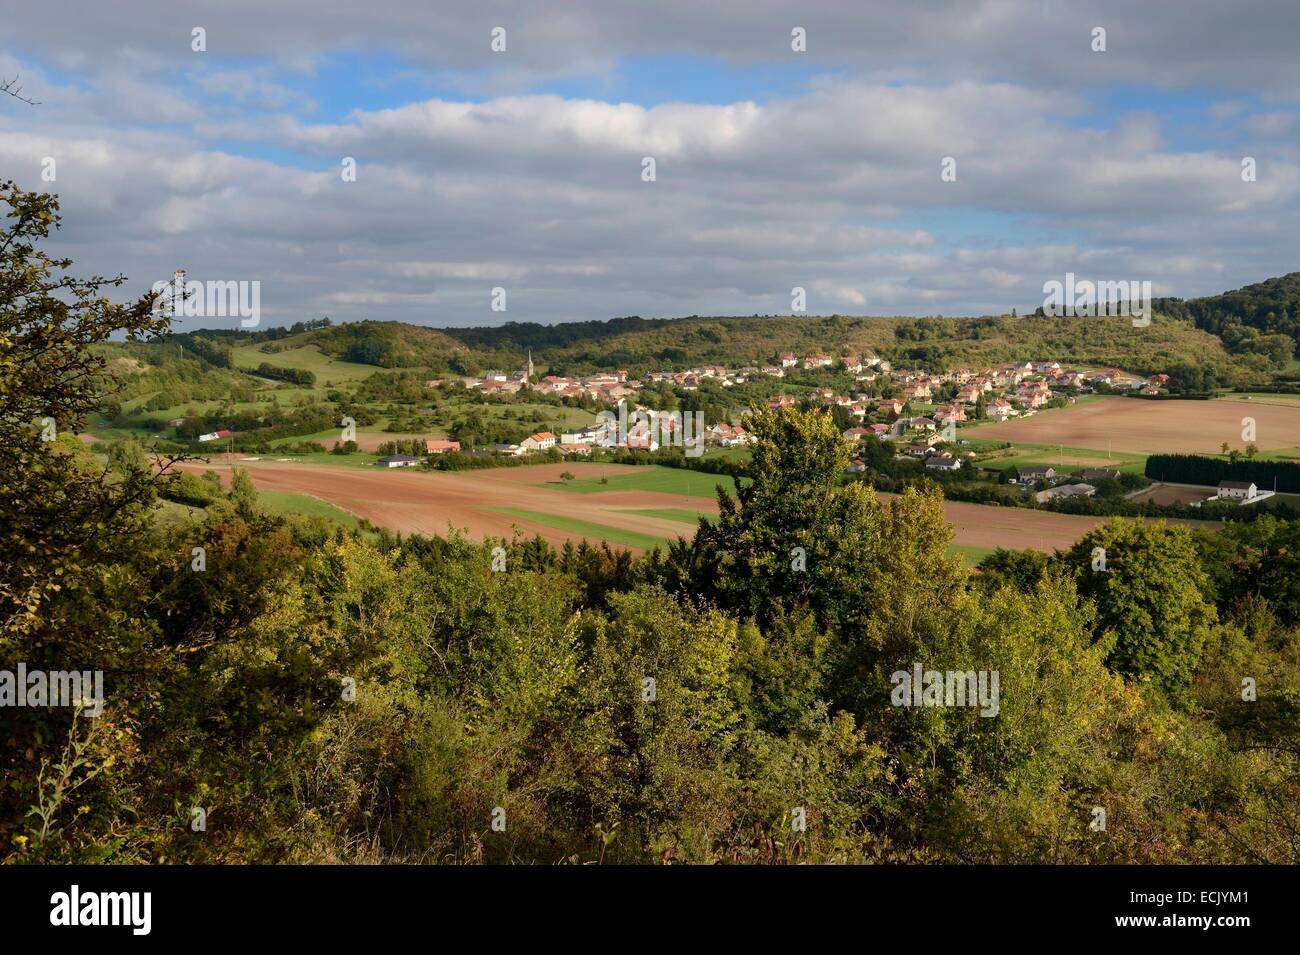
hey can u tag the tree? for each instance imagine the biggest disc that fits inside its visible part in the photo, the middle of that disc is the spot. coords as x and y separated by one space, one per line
795 535
57 517
1150 599
662 719
13 89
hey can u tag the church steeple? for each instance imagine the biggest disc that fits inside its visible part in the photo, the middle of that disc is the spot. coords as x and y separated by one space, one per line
528 370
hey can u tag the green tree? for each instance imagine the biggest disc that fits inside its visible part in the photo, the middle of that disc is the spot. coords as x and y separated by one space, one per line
1150 599
796 534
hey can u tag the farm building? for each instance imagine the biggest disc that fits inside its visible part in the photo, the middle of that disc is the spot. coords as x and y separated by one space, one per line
1237 490
1065 490
1033 473
943 462
397 461
539 441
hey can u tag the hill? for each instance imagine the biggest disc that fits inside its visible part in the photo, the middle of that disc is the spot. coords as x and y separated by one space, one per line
645 344
1261 319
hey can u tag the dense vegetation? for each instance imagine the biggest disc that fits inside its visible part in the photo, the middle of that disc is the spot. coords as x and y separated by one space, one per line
1198 469
1196 359
640 345
1261 320
354 697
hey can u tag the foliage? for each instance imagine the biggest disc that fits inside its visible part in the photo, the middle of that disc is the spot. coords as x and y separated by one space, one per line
1197 469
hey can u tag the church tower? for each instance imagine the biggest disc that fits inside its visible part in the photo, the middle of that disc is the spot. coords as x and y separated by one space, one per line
528 369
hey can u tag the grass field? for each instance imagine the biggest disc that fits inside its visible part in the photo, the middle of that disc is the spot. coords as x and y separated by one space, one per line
650 478
286 503
971 554
673 514
1024 455
304 358
1277 454
585 529
1263 398
278 503
360 459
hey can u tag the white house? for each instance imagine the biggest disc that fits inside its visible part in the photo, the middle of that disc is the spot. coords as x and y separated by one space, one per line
1237 490
397 461
539 441
943 462
585 436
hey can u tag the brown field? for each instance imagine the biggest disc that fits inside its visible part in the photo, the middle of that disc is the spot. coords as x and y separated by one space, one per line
1154 427
420 501
1174 494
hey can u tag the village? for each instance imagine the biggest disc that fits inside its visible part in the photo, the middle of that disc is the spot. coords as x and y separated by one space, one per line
918 412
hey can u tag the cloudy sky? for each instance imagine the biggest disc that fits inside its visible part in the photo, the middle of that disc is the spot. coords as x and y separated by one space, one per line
523 168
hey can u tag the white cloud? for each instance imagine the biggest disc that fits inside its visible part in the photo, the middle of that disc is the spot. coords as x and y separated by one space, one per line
835 187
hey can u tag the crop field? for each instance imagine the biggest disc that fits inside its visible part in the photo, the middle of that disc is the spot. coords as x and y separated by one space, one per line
1153 427
638 507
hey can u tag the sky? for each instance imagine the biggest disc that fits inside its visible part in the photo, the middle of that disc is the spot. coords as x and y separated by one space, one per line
524 168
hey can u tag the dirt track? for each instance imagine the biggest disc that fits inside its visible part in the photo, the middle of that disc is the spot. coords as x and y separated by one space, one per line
420 501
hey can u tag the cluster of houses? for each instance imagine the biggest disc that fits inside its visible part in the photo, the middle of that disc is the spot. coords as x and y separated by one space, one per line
1008 390
1061 482
643 433
605 387
1003 391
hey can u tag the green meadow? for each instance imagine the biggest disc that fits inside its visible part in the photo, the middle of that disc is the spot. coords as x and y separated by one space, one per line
287 503
649 478
679 514
1023 455
586 529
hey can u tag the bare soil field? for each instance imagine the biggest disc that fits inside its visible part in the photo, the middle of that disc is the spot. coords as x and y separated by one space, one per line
419 501
1154 427
408 500
1174 494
